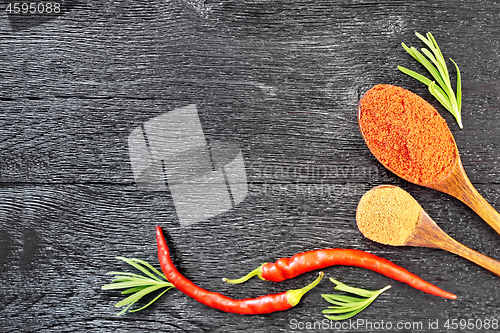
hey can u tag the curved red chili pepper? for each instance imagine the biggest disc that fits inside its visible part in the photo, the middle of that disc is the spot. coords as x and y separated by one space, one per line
259 305
287 268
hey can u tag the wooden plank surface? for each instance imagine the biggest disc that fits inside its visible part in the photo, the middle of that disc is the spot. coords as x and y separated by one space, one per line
282 80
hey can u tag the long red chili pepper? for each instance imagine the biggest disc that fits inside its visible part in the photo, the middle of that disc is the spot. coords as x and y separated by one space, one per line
259 305
287 268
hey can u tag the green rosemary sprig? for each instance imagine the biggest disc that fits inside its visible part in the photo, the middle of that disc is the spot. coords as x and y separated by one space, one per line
348 306
138 285
443 91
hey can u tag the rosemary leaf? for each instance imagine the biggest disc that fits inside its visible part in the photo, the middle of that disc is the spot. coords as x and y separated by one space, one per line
125 273
152 301
139 267
441 88
139 261
138 295
434 72
346 315
348 306
409 50
340 298
133 290
427 42
436 63
438 51
128 284
357 291
415 75
137 286
459 95
440 97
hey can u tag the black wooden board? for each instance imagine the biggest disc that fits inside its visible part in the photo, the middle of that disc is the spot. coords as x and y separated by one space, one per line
282 80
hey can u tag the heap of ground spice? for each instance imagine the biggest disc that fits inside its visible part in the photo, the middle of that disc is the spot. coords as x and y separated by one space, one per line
406 134
388 215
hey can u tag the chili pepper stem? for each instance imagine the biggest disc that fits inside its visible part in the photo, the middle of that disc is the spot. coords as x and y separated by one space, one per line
255 272
293 296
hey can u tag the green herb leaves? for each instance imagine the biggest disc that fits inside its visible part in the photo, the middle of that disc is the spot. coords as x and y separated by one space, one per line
138 285
348 306
443 91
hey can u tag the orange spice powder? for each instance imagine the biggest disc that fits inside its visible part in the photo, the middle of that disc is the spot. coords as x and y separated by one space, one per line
407 134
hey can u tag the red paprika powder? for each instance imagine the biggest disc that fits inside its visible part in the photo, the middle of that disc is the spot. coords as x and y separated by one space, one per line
406 134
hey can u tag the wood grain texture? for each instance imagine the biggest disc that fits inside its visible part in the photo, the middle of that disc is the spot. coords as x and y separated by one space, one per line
282 79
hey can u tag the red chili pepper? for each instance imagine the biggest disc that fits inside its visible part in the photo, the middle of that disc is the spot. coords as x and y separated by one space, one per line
287 268
259 305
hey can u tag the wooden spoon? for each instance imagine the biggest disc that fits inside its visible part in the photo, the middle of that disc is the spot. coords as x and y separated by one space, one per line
374 221
456 183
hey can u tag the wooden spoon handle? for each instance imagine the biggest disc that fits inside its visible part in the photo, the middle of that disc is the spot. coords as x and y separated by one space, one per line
458 185
474 200
429 234
490 264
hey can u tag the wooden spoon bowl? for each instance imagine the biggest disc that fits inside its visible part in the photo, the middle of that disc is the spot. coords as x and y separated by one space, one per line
455 183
